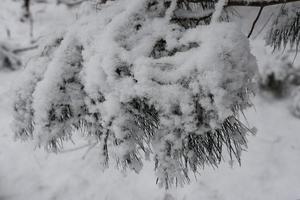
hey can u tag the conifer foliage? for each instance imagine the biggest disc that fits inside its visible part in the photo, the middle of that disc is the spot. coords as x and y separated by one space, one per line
141 85
285 29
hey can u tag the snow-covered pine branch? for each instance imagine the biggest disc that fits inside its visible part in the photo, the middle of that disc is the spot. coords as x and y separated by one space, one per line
285 29
141 85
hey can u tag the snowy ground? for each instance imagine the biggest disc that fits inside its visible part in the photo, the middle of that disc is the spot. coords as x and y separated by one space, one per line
269 171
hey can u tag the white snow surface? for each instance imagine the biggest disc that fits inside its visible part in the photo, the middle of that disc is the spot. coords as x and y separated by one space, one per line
270 167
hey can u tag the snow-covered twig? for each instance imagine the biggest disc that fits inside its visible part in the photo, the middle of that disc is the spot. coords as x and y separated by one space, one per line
73 4
254 3
218 11
16 51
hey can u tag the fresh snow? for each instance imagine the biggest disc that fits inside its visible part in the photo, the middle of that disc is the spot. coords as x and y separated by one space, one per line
120 72
270 167
269 171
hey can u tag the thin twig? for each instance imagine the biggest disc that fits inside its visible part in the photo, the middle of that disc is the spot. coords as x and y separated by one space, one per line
16 51
255 21
76 148
89 149
264 26
297 48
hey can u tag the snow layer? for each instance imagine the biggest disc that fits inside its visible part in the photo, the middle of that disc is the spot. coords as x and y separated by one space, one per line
270 168
135 81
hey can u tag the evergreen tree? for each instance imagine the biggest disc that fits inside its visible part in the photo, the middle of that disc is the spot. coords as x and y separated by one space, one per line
149 79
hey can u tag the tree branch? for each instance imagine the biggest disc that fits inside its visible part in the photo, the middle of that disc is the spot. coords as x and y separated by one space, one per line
254 3
258 3
16 51
70 5
188 14
179 13
255 21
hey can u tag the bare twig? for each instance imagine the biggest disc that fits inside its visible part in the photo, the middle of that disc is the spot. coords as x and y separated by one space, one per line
264 26
78 148
89 149
255 21
27 8
16 51
8 33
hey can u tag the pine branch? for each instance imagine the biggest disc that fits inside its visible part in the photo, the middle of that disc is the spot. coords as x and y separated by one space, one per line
180 14
285 29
